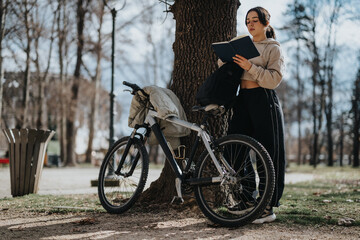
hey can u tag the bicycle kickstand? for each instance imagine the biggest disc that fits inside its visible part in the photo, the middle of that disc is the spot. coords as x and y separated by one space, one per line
177 199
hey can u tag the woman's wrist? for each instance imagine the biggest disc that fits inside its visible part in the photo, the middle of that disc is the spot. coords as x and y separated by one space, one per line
249 67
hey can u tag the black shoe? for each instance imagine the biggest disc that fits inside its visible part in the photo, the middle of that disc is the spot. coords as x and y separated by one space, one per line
266 217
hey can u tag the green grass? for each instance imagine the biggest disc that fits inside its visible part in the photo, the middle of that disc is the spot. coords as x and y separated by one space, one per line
53 203
334 194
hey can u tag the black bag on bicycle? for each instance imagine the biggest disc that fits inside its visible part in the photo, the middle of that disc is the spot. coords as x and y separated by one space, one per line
221 86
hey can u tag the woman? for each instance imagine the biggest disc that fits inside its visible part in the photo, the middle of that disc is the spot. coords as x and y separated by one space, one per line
257 111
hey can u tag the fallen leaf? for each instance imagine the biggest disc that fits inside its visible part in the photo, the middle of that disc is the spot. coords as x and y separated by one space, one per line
345 221
317 193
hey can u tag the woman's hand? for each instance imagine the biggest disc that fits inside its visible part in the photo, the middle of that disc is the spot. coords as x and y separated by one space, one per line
242 62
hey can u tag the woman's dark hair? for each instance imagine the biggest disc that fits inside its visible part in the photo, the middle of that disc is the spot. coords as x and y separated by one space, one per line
264 18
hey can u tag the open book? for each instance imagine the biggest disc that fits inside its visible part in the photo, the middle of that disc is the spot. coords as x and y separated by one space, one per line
242 45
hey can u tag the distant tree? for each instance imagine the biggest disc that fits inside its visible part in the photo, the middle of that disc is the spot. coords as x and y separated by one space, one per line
41 33
356 119
3 12
314 30
328 66
23 15
296 29
340 125
63 24
96 49
198 24
81 10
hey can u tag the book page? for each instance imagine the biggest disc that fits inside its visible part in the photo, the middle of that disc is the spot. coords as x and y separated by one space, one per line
220 42
238 37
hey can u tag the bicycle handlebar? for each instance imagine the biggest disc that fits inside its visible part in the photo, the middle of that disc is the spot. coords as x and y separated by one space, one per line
135 88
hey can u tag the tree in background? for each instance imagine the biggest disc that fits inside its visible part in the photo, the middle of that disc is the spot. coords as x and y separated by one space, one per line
63 25
198 24
3 13
329 76
81 10
303 17
96 49
314 31
296 29
40 34
23 15
356 119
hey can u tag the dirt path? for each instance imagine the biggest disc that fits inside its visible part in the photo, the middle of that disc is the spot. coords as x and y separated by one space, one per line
151 224
165 222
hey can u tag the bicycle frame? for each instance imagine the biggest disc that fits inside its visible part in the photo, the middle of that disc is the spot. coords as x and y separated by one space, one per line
150 122
150 119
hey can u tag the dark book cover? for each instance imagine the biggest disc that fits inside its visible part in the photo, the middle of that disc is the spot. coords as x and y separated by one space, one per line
243 46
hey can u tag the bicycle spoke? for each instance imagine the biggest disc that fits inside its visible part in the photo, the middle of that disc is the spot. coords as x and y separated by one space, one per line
243 196
118 193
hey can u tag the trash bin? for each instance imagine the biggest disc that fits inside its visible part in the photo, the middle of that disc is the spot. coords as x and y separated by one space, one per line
26 153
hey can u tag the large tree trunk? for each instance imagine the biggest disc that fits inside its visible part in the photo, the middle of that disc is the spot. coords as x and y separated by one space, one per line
70 121
198 24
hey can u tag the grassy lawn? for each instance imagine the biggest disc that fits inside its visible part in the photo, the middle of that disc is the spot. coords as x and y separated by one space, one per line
53 203
332 197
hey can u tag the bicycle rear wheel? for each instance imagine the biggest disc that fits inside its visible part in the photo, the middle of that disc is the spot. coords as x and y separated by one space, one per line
117 193
240 197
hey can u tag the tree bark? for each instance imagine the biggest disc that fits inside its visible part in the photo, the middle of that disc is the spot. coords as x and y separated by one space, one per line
198 24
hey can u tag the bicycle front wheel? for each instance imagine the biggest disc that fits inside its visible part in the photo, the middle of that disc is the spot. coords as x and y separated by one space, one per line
118 192
240 197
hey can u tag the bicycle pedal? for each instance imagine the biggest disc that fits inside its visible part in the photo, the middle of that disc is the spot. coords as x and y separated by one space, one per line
177 200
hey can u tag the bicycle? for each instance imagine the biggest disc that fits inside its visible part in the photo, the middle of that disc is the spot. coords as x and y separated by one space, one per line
233 179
